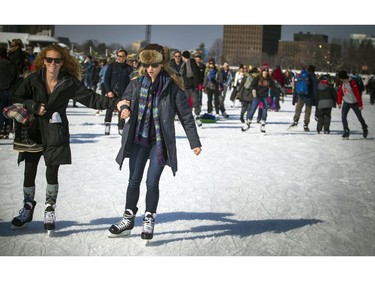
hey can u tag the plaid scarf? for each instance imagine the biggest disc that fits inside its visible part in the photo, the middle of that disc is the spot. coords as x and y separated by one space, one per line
148 102
18 113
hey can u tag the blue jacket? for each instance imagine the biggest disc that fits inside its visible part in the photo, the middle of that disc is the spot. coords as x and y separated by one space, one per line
117 78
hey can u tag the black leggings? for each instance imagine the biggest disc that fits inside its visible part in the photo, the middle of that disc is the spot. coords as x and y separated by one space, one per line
31 167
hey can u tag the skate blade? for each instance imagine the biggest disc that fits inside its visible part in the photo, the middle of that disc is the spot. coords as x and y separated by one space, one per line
51 232
147 242
14 227
346 138
122 234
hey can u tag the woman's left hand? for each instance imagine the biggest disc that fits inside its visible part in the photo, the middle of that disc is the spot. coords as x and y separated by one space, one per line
197 150
121 103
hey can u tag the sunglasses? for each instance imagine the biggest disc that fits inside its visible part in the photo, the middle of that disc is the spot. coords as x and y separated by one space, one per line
177 56
56 60
153 65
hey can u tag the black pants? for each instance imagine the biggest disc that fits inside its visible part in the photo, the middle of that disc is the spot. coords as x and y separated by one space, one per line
31 167
324 119
344 115
108 118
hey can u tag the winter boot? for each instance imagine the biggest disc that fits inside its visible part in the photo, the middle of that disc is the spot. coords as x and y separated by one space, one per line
365 132
25 216
49 217
22 141
107 130
246 126
346 134
124 226
148 226
306 127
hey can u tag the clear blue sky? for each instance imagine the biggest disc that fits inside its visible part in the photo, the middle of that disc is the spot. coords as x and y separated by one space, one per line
189 36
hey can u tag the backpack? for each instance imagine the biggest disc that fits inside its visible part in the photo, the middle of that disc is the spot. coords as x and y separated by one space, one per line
303 84
248 81
359 82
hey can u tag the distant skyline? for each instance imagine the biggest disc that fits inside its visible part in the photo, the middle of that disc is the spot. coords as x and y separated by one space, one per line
190 36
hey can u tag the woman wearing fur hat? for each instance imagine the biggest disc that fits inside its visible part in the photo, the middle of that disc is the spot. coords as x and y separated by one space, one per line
154 98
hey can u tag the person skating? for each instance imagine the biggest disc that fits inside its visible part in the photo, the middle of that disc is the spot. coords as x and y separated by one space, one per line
154 98
349 97
45 94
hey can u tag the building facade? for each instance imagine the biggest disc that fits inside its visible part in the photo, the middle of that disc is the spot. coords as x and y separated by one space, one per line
309 49
250 44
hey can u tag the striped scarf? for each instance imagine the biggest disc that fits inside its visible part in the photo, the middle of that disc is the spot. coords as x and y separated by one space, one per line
148 102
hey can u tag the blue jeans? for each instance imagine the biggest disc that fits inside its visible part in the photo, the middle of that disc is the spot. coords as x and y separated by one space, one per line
137 163
254 107
344 114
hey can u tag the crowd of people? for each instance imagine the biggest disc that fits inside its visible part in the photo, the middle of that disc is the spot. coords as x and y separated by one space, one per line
148 91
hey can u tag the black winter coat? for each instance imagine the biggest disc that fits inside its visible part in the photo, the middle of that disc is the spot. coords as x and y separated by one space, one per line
55 136
172 100
117 78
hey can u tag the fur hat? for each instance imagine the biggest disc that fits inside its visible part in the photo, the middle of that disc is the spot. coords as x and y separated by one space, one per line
186 54
154 53
343 75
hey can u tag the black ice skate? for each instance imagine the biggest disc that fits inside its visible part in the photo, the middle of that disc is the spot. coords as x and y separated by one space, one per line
263 127
124 226
107 129
148 226
49 218
246 126
346 134
294 124
25 216
365 133
306 127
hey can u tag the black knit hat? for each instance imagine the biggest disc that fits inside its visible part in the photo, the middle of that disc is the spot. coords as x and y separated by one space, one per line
186 54
343 75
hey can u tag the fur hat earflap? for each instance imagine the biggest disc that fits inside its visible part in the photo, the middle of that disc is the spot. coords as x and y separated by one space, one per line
154 53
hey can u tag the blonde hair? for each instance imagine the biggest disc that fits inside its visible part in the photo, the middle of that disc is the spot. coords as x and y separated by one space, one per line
70 65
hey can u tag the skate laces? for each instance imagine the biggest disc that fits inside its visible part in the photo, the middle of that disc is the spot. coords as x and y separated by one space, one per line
24 214
148 223
49 215
125 221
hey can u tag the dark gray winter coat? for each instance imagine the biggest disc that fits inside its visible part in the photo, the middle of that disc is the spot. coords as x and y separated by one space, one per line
326 96
172 100
55 136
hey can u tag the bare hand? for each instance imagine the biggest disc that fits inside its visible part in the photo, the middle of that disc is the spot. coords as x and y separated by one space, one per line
360 108
121 103
42 109
125 114
339 106
110 95
197 150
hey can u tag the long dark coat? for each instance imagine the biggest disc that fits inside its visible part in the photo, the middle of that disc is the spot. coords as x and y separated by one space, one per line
172 100
55 136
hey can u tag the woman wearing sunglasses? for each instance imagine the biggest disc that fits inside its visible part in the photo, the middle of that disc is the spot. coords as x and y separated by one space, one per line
45 95
154 98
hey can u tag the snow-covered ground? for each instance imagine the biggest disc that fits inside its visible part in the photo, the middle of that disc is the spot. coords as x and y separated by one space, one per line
286 193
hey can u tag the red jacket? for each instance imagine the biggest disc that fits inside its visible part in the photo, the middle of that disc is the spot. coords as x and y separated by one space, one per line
356 92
